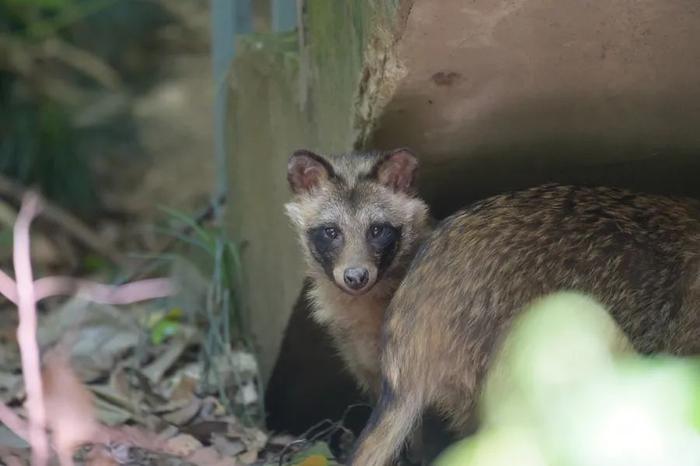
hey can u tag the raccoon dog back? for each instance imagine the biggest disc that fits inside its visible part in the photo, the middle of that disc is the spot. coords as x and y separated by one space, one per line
638 254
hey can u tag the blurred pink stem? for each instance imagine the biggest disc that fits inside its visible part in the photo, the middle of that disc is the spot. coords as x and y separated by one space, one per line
26 332
125 294
47 287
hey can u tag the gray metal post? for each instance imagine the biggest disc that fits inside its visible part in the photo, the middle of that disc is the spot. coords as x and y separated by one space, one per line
228 19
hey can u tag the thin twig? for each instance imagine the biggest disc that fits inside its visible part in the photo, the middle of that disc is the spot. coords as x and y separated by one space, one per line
26 332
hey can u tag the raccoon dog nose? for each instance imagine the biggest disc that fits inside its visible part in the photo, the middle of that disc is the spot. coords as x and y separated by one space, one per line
356 277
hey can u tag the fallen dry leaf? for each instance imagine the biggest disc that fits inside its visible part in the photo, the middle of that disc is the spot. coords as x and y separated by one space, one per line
203 430
212 408
315 460
133 436
154 371
109 412
99 456
184 414
204 456
208 456
183 445
226 446
248 457
184 387
100 335
254 439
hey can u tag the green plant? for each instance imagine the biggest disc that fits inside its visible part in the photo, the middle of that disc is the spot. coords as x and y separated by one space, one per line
38 19
42 78
228 325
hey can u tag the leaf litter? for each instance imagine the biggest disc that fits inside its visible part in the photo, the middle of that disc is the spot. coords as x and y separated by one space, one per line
114 397
144 383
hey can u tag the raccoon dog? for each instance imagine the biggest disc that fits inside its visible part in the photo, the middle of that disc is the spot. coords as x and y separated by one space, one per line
359 223
638 254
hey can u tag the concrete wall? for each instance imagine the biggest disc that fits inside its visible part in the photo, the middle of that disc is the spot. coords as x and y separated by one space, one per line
510 93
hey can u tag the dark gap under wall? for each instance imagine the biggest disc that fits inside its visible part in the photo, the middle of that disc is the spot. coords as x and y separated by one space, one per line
309 382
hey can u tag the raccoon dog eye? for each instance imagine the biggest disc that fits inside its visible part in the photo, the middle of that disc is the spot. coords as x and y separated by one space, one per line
382 235
376 230
331 232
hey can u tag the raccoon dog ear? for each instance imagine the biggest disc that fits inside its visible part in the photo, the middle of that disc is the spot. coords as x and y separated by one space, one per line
397 170
306 170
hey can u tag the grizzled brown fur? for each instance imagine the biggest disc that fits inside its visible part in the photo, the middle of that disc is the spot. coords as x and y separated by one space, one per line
638 254
359 223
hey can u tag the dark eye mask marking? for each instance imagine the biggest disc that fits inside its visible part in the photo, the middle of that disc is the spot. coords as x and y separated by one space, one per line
325 244
384 240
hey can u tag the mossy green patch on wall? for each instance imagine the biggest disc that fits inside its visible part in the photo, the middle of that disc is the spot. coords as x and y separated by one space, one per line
339 35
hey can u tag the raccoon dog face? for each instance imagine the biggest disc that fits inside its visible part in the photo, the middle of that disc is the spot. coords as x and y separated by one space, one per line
358 219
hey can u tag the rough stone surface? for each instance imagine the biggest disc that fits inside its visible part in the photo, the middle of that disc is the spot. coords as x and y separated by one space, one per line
504 94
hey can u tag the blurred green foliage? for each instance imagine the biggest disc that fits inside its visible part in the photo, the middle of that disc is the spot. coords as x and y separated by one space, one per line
567 390
38 144
38 147
39 19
